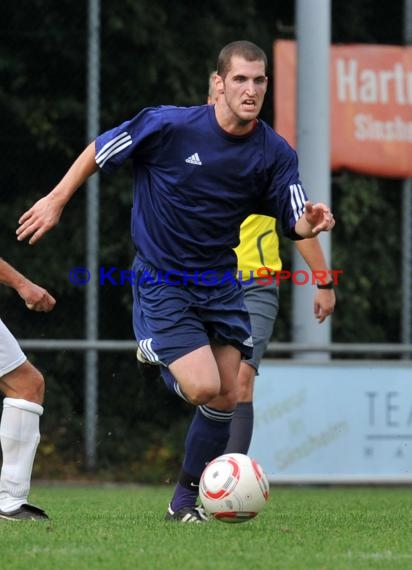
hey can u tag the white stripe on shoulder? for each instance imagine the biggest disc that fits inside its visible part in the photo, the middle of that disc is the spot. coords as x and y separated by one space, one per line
302 196
297 200
113 147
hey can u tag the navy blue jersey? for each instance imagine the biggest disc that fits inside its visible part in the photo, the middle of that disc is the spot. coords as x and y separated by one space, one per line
194 184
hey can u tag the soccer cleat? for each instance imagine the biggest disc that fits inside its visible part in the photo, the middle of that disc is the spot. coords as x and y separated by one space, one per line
25 513
141 357
148 370
187 515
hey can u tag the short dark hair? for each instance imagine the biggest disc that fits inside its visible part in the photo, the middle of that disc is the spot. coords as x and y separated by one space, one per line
241 48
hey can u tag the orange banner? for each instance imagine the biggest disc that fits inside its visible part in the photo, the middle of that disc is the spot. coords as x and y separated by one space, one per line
371 106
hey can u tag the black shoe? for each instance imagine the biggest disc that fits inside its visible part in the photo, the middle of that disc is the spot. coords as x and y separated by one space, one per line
148 370
187 515
25 513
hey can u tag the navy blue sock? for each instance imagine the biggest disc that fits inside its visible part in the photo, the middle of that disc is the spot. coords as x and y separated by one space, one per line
171 383
206 439
241 429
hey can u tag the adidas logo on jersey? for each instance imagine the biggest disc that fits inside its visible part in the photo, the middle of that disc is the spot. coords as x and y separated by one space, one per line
194 159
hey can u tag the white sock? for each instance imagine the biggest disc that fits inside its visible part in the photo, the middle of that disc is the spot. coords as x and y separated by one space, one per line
19 438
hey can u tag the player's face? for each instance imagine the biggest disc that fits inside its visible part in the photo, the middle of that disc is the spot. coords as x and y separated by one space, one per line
244 88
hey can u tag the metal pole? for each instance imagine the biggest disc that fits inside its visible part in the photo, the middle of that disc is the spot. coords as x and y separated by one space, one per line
407 219
92 290
313 142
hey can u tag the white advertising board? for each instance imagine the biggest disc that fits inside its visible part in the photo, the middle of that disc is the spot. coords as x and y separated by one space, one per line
336 421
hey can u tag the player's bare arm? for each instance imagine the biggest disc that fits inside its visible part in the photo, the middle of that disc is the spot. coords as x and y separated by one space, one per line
316 218
325 299
35 297
46 212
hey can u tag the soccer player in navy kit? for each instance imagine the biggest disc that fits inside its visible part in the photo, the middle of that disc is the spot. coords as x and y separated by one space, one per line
198 172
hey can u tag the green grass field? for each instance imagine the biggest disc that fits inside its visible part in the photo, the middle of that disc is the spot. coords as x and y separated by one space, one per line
122 527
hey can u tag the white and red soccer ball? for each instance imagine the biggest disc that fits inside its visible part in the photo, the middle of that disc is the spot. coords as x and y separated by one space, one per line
233 488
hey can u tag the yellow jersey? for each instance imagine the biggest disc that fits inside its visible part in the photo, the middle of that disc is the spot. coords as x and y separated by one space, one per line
258 247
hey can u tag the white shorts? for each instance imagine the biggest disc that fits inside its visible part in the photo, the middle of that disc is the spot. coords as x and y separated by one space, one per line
11 355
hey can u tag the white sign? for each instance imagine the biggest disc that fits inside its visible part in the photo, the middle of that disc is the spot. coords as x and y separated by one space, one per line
334 421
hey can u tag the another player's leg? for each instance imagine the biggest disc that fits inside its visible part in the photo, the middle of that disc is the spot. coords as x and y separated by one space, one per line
241 428
23 387
262 303
209 380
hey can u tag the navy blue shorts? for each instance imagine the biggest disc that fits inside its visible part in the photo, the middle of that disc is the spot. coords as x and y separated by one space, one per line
170 321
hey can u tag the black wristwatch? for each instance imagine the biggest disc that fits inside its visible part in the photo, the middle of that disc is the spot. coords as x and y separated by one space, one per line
325 286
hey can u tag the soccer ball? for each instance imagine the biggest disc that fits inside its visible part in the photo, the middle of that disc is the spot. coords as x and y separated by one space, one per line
233 488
